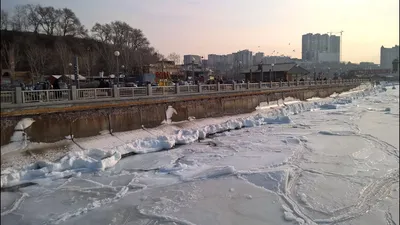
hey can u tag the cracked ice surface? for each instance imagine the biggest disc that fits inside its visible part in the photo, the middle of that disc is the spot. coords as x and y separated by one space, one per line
326 161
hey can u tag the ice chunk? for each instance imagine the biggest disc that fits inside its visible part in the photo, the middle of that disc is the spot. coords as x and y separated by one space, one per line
289 216
337 133
291 140
328 106
187 136
274 180
151 144
278 120
72 163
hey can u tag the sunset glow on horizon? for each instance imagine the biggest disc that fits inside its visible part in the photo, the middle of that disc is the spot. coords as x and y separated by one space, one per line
205 27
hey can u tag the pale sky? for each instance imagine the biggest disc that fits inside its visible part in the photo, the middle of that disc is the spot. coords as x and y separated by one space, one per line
204 27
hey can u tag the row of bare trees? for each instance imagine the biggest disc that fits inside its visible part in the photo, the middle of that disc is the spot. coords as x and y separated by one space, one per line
95 49
39 19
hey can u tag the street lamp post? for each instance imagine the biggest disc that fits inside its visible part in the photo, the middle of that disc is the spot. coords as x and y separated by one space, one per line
89 64
329 69
70 74
238 73
193 68
273 71
315 74
116 53
123 70
203 68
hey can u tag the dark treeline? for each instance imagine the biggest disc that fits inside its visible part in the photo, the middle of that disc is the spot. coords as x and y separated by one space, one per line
43 40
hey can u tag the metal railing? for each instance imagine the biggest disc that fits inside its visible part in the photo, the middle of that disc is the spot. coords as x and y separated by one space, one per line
94 93
46 96
189 88
163 90
7 97
226 87
42 96
209 88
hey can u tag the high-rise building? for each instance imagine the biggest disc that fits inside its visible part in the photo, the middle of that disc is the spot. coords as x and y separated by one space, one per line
276 59
258 58
188 59
324 43
212 60
230 58
204 63
334 44
306 53
388 55
320 48
245 57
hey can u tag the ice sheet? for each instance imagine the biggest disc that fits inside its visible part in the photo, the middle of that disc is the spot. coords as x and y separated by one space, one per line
336 166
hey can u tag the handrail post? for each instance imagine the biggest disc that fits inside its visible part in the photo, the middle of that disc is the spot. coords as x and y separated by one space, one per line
234 87
47 96
218 87
177 91
149 90
280 83
248 85
200 89
260 85
73 92
116 91
19 95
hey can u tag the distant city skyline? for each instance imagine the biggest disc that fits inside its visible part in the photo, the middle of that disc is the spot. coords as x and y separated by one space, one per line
215 27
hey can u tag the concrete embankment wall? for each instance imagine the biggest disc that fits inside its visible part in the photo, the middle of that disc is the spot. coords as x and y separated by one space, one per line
84 120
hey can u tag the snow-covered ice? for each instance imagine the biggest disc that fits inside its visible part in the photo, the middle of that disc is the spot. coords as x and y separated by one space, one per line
322 161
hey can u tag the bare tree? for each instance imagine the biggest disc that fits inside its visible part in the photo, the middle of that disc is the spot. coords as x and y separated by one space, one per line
19 20
38 57
121 35
50 18
138 40
34 18
102 33
4 20
175 57
107 54
69 24
88 57
10 52
65 55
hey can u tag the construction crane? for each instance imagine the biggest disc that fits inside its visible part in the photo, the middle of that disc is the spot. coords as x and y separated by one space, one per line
341 34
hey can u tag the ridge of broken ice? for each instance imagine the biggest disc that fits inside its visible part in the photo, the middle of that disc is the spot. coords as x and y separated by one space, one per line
97 160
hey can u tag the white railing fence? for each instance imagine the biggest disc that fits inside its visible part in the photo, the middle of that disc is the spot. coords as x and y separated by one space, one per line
40 96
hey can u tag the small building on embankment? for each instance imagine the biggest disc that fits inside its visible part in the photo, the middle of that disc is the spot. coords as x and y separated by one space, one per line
275 72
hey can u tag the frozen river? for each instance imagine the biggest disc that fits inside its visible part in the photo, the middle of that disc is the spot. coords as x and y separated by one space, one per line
326 161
